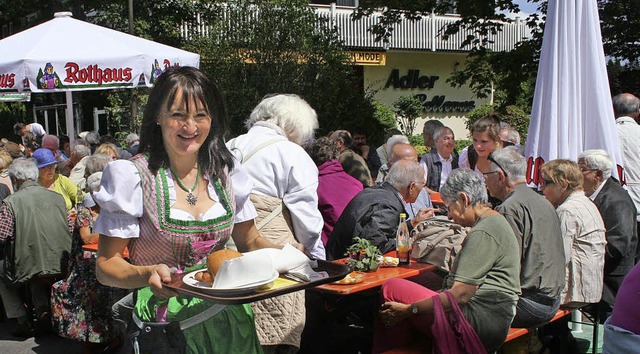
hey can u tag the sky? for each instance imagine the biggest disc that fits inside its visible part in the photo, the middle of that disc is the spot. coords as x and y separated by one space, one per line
526 8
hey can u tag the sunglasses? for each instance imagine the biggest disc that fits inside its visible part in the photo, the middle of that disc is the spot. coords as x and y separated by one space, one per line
490 158
547 182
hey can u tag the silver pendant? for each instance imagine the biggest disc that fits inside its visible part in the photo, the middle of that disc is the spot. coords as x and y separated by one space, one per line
191 199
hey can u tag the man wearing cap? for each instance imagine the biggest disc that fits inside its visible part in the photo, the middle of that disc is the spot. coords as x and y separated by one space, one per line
34 230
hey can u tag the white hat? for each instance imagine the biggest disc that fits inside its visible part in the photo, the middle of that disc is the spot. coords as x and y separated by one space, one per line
83 134
88 201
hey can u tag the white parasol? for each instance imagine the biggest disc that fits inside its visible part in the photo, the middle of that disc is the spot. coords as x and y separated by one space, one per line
65 54
572 109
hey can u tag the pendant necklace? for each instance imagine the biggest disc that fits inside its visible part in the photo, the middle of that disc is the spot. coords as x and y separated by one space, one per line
191 199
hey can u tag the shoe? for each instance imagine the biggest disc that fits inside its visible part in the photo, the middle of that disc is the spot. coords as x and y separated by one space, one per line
22 330
43 324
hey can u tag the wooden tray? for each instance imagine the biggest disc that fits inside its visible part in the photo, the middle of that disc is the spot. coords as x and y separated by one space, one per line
282 285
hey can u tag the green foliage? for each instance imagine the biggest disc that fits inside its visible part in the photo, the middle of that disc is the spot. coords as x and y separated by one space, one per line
624 78
363 256
384 115
407 111
10 114
461 144
282 48
620 29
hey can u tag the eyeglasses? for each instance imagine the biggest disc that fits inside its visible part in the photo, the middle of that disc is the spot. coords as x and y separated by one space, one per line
490 158
547 182
587 170
488 173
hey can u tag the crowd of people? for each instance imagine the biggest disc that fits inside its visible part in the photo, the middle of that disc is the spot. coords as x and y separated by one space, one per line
162 202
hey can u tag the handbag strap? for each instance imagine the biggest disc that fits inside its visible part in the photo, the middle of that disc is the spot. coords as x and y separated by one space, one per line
191 321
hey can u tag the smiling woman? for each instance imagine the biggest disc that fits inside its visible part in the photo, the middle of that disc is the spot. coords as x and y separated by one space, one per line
179 199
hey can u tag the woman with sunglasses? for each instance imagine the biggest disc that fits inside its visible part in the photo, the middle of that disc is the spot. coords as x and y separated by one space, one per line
583 232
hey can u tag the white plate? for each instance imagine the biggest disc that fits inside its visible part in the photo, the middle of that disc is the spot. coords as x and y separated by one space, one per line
205 287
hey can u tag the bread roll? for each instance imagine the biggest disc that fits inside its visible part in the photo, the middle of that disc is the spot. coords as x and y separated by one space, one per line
215 259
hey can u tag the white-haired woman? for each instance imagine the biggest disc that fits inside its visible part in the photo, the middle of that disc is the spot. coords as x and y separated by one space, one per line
285 183
484 281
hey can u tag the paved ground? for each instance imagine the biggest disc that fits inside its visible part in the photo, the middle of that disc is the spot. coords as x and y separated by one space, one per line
52 344
49 344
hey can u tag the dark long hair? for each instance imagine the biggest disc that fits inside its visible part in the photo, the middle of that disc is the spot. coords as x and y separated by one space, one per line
213 156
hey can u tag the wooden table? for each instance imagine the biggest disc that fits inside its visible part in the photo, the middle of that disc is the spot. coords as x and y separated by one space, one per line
375 279
93 247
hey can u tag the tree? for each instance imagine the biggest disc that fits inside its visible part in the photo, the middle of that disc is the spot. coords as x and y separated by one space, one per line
261 47
407 110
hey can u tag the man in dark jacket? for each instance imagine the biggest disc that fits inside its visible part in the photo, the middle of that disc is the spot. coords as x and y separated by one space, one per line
375 212
34 231
619 215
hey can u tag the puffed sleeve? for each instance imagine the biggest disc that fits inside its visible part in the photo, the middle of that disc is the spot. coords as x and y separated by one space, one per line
242 186
120 200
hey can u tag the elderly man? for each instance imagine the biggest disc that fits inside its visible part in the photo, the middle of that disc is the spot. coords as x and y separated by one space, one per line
627 108
77 162
619 215
404 151
132 140
35 233
429 128
537 229
351 162
374 213
439 163
391 142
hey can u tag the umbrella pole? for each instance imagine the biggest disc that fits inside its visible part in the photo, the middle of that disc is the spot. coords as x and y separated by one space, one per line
69 117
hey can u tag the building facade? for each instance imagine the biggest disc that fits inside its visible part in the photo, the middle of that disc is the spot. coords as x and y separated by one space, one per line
416 61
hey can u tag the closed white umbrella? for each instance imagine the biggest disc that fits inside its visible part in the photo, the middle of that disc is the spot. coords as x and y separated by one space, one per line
572 109
65 54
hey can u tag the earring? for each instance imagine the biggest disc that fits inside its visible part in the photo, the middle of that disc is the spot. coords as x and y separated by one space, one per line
157 123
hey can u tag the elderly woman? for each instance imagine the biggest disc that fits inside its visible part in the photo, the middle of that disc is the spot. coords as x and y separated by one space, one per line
484 280
582 229
5 162
285 181
56 182
179 199
485 133
336 188
108 149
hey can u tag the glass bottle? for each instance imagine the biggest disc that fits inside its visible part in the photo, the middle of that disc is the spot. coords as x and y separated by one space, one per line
402 240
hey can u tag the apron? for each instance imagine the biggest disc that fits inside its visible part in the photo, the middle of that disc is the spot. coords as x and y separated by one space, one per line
185 245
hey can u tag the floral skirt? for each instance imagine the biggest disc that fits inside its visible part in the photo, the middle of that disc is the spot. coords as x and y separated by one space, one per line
81 306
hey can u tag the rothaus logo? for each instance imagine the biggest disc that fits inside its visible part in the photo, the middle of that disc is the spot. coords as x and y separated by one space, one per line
7 80
95 74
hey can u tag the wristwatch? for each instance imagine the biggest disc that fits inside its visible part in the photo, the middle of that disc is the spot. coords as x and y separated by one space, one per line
414 309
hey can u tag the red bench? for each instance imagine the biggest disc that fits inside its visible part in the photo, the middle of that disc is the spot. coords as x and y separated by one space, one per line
519 332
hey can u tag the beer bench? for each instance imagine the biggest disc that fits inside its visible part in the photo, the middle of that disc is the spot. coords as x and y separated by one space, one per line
519 332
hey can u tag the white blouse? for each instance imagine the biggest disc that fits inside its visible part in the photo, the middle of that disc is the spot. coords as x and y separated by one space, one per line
280 168
121 202
463 162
